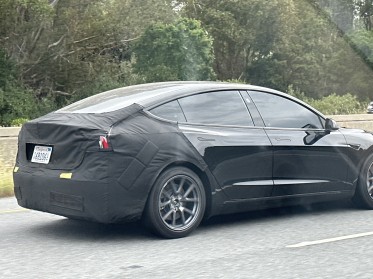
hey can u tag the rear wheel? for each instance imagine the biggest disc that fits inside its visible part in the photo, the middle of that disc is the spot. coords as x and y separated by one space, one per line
364 191
176 203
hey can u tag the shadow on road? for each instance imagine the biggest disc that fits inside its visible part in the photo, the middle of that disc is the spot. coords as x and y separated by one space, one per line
252 217
87 231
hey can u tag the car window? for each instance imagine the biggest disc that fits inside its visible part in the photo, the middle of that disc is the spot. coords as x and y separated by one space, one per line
169 111
278 111
221 108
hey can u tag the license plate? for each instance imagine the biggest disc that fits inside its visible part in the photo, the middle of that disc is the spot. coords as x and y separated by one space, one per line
42 154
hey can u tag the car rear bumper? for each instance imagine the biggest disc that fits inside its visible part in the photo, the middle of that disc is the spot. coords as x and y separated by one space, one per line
99 201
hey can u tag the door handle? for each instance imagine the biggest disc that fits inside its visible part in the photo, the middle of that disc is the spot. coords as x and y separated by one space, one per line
354 146
205 139
282 139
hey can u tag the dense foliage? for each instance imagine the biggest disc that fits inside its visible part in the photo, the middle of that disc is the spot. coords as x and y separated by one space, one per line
53 52
332 104
179 51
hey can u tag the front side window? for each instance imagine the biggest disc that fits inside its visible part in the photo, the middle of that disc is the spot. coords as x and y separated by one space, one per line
220 108
278 111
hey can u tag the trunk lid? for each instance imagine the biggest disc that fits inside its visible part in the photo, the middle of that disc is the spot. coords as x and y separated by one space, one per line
67 136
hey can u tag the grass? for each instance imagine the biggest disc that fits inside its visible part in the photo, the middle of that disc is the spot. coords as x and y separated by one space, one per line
6 182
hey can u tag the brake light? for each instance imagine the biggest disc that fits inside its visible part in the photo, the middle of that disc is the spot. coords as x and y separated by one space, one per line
104 144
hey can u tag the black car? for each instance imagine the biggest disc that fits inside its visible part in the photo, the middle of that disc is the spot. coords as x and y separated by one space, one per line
174 153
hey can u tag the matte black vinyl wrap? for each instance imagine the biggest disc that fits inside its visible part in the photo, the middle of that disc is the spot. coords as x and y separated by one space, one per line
143 147
105 185
241 167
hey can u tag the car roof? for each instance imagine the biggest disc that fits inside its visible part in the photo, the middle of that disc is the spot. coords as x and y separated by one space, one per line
151 94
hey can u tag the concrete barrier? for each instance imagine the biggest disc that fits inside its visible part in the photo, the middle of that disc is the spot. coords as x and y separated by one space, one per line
9 132
358 121
8 152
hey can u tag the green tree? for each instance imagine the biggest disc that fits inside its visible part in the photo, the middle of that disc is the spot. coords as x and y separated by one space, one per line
243 31
62 46
277 43
365 13
180 51
15 100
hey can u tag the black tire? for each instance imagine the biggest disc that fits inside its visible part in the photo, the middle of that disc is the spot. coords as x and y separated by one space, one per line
364 190
176 203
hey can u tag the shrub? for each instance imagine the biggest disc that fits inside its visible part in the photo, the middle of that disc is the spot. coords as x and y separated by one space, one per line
18 122
17 102
332 104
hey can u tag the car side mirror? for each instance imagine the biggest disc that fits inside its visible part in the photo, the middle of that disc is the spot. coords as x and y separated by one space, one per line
331 125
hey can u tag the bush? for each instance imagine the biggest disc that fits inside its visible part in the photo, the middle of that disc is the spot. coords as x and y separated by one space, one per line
17 102
18 122
332 104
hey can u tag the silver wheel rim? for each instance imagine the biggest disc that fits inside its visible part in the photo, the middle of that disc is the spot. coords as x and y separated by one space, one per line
370 181
179 202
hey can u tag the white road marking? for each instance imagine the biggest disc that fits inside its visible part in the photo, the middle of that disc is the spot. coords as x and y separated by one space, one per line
13 211
316 242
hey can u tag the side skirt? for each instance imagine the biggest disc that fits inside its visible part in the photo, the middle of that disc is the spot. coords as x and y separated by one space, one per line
235 206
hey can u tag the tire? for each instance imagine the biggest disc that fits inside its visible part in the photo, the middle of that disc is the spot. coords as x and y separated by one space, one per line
176 203
364 191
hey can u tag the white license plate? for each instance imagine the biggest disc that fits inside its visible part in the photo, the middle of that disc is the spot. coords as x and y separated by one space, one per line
42 154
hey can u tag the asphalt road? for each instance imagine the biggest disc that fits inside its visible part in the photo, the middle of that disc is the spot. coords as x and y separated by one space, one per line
324 241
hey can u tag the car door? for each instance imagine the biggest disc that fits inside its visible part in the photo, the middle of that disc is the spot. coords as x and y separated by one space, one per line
307 159
219 125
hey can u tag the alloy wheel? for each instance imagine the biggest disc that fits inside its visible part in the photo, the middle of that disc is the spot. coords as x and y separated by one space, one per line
179 202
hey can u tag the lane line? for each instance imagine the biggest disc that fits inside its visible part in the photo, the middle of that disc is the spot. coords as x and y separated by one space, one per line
8 211
316 242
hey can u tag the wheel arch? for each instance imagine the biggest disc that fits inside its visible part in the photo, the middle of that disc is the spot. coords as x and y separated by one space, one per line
202 174
362 161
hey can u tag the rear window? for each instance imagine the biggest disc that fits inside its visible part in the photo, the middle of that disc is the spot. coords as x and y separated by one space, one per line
117 99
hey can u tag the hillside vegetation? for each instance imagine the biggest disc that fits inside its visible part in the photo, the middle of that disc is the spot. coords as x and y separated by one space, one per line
54 52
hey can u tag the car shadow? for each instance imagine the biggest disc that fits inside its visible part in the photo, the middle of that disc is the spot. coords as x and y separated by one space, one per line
88 231
280 212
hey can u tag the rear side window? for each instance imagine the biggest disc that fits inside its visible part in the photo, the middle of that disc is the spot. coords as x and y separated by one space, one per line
278 111
220 108
170 111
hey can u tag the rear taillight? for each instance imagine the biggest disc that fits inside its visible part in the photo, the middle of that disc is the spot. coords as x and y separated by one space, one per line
104 144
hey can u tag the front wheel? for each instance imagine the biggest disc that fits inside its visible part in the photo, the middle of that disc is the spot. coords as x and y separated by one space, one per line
176 203
364 191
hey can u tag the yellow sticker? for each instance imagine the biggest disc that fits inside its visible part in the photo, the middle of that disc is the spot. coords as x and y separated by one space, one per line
16 169
66 175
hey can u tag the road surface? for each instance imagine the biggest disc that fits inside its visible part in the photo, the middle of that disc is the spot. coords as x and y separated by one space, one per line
324 241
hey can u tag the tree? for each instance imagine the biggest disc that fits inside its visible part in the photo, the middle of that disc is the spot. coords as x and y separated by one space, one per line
279 43
243 31
62 46
365 13
180 51
341 12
